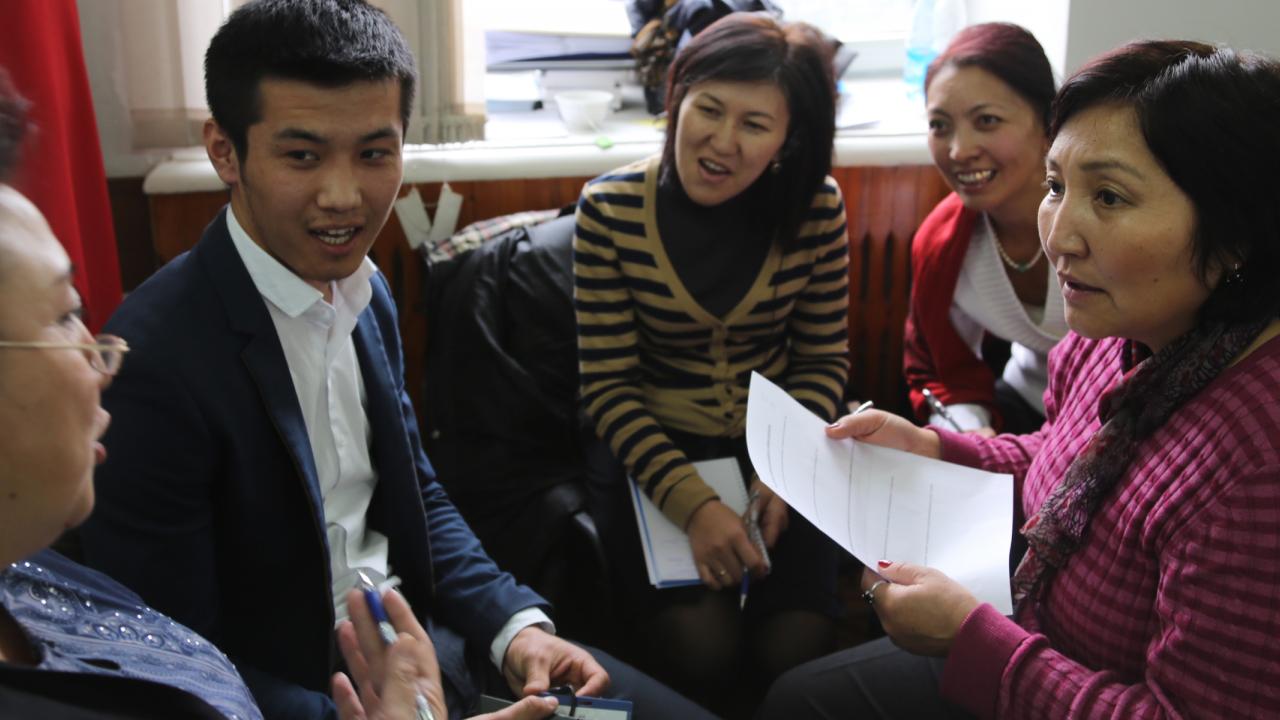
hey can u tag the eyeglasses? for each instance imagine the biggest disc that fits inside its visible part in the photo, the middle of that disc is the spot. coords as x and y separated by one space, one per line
105 354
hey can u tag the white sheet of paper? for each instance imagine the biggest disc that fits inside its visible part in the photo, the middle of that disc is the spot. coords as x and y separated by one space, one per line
667 555
883 504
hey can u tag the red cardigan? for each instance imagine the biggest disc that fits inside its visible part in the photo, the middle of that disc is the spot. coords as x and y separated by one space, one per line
935 356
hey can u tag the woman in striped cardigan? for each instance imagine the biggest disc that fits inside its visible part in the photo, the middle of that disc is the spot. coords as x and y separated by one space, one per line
724 256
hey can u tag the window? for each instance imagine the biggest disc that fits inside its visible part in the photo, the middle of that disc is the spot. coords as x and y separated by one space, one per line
158 47
854 21
875 27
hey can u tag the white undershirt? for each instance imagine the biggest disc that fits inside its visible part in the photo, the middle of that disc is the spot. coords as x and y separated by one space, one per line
316 338
985 301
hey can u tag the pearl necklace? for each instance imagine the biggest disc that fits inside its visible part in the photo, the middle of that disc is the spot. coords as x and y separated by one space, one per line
1017 266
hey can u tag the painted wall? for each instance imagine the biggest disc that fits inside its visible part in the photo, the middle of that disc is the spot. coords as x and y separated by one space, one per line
1099 25
1046 19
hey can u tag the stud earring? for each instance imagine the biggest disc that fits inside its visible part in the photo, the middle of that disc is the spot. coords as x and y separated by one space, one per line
775 167
1236 276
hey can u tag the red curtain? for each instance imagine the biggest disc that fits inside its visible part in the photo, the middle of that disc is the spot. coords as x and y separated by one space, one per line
61 167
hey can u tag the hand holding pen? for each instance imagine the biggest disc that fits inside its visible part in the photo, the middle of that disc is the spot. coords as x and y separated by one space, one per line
939 409
752 520
396 673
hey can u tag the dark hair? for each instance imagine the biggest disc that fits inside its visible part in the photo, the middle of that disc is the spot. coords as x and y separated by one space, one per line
1208 116
1007 51
753 47
13 123
329 43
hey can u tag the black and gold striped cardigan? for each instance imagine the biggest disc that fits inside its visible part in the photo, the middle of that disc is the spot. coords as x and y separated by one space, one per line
651 357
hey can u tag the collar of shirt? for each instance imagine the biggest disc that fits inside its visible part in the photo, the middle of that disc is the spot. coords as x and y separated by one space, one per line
290 293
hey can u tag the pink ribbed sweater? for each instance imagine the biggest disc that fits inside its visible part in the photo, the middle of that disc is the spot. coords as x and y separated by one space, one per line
1172 606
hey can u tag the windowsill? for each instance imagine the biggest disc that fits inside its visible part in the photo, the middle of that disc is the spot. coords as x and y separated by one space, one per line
879 127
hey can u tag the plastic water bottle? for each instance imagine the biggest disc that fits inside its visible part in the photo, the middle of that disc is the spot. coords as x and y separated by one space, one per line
933 23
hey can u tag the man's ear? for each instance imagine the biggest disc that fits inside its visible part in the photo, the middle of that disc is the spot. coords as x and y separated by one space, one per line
222 153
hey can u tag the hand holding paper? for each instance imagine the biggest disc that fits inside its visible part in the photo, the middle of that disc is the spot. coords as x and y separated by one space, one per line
919 607
880 503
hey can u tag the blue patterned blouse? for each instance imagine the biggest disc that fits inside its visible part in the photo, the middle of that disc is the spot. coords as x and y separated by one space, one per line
82 621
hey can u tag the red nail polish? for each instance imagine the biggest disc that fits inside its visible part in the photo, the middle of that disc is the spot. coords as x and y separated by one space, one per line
884 563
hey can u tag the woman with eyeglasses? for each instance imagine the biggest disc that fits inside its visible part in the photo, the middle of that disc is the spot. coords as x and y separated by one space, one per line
69 636
73 643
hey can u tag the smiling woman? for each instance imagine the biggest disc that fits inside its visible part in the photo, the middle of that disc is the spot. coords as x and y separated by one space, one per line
977 266
725 256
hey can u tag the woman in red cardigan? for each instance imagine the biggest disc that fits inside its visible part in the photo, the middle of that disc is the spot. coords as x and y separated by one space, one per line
976 261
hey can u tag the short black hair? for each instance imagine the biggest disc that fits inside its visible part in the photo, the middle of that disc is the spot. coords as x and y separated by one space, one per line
13 124
1208 116
797 57
329 43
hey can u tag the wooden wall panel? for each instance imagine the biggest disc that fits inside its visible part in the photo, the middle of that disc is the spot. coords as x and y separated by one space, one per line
178 220
885 204
135 248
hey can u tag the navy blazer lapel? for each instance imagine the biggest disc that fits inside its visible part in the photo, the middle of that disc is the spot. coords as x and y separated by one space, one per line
396 508
263 356
389 449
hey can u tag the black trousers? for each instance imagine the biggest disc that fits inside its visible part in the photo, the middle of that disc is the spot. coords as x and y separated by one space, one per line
873 680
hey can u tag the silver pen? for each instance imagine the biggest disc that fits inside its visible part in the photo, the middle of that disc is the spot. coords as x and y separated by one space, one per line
940 409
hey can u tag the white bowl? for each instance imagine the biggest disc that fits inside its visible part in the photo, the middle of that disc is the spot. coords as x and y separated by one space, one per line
583 111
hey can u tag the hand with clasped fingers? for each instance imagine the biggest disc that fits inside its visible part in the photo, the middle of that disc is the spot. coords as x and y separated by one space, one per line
390 678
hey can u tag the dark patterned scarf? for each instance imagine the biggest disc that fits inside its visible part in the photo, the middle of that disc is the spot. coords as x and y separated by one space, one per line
1152 389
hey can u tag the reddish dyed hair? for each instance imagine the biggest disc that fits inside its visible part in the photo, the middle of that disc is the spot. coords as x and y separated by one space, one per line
1009 52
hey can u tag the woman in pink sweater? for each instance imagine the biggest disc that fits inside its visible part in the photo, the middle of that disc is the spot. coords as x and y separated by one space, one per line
1152 493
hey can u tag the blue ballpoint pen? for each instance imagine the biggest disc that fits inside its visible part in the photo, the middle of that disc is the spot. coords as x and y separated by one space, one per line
388 634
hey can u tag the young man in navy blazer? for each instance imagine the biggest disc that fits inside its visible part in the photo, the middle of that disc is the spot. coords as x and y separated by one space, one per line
263 449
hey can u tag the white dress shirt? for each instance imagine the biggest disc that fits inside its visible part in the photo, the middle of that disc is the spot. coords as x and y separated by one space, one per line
316 338
984 302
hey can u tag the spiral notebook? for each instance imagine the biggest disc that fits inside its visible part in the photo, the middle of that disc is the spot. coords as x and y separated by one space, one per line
667 554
